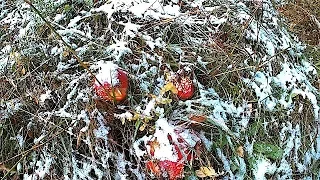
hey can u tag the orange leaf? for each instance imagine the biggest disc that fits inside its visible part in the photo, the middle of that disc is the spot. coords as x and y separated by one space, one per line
153 167
153 145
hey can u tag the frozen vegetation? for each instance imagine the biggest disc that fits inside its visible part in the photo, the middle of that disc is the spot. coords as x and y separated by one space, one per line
254 113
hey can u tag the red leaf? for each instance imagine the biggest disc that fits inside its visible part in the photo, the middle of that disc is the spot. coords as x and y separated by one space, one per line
153 167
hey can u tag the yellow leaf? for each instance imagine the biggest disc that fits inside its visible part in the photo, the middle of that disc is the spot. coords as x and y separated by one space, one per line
206 172
169 87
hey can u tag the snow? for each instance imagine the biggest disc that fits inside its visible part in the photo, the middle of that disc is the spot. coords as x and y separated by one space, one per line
20 140
225 162
45 96
130 29
207 143
108 73
118 49
149 107
10 107
263 167
273 89
37 140
124 116
165 150
59 17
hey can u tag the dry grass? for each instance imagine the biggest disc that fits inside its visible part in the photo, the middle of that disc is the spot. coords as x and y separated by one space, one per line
300 15
224 54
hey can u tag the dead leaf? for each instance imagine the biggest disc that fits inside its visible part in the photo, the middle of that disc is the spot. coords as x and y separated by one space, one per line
141 128
65 53
240 151
79 139
164 101
206 172
153 145
198 118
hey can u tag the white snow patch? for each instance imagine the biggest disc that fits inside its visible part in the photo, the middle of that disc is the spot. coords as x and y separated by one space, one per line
43 167
262 167
20 140
165 151
149 107
108 73
118 49
45 96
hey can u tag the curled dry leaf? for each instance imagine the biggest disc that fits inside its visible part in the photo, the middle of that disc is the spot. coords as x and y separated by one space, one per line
4 168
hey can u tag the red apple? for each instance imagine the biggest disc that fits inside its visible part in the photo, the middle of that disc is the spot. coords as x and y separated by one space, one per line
185 88
112 91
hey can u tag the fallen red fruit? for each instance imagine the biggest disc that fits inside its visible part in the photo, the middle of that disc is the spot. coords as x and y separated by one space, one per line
185 88
114 83
174 169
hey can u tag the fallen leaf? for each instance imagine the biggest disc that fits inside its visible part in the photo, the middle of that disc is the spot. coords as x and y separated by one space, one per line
174 169
169 87
23 71
153 167
165 101
153 145
198 118
206 172
240 151
65 53
141 128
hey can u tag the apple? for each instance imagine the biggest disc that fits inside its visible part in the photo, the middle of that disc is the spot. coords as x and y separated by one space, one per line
111 83
185 88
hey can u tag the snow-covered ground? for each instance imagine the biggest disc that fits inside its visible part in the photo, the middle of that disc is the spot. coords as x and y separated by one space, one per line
141 37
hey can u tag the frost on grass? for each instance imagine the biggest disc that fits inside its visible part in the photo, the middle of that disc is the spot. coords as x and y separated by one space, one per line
240 43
